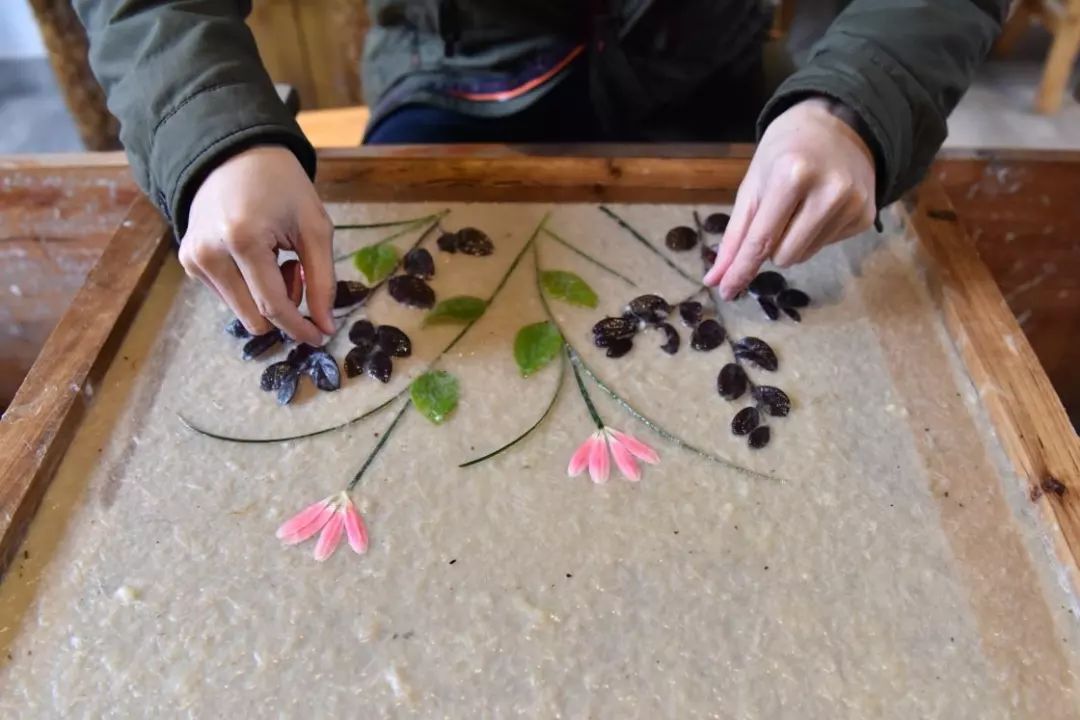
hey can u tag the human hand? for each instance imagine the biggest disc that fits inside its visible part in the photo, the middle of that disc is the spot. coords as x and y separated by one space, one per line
253 205
811 182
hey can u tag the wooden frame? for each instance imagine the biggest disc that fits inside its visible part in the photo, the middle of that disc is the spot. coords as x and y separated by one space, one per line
1028 416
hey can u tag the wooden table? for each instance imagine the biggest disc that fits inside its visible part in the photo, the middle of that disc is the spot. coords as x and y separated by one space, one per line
57 215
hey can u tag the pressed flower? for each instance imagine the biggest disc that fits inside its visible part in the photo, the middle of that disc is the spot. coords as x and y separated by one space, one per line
331 517
625 449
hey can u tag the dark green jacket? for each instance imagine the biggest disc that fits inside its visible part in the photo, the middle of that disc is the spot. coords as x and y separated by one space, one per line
186 82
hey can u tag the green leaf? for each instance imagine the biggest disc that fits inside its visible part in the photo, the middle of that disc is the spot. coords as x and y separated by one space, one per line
535 346
456 311
567 286
435 395
376 261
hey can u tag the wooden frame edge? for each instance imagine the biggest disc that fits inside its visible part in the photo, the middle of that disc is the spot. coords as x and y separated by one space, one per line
1026 412
42 418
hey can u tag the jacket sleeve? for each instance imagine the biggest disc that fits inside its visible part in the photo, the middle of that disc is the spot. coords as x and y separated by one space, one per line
901 66
185 79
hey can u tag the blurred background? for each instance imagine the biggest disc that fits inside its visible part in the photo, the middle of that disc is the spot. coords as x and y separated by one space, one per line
1024 96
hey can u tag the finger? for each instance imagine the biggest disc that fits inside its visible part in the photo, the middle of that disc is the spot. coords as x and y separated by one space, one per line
806 228
223 275
741 215
259 268
842 227
316 252
294 280
766 229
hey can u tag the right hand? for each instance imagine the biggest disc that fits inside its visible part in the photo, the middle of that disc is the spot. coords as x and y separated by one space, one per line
250 207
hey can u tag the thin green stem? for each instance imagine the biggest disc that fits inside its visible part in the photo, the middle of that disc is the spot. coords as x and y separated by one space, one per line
584 392
379 445
534 426
384 224
581 253
409 227
259 441
647 243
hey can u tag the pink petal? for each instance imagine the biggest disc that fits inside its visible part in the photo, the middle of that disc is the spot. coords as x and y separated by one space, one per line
599 463
580 459
637 448
305 523
625 461
330 537
355 529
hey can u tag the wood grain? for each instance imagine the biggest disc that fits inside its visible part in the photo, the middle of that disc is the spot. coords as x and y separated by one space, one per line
54 224
36 429
1022 214
1028 416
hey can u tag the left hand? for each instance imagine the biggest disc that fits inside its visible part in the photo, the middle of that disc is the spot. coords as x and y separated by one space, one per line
811 182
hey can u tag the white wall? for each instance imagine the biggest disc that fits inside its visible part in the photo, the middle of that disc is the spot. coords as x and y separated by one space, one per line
19 36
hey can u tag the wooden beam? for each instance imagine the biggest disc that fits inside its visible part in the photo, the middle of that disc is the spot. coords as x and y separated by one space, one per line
36 429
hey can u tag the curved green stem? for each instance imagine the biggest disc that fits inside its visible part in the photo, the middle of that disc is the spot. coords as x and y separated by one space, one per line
581 253
384 224
410 226
259 441
647 243
534 426
585 393
379 445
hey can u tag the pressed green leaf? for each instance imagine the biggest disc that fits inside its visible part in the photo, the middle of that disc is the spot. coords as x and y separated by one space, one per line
567 286
376 261
435 395
535 346
456 311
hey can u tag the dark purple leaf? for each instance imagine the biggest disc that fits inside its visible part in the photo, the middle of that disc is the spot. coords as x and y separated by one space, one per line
393 341
419 262
681 238
732 381
716 223
708 254
237 329
471 241
355 359
350 292
362 333
447 242
756 351
759 438
767 283
411 291
690 312
611 329
708 335
618 348
792 313
272 375
671 338
286 388
649 308
260 344
300 354
322 368
792 298
379 366
745 421
774 400
771 311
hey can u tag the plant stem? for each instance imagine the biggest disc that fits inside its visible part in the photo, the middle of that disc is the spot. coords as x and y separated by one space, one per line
534 426
385 224
647 243
584 393
379 445
588 257
410 226
260 441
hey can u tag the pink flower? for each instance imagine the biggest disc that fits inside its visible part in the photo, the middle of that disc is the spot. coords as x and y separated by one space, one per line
333 516
626 450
